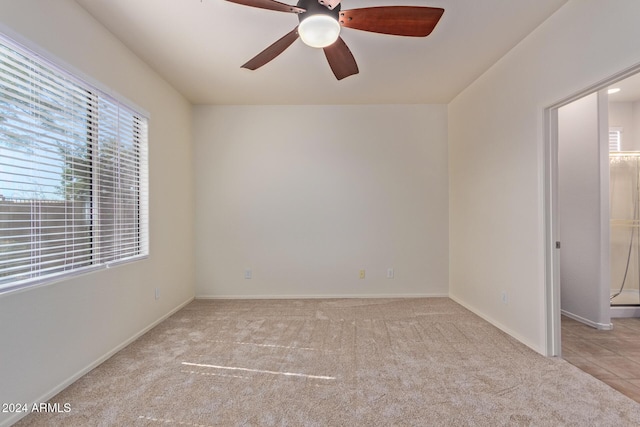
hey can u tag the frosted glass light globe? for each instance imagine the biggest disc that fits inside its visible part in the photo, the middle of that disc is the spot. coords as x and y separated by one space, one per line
319 30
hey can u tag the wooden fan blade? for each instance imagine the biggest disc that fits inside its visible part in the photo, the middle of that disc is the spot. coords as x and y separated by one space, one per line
272 51
341 60
270 5
413 21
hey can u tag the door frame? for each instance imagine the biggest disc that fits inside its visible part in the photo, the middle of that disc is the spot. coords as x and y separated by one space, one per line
551 233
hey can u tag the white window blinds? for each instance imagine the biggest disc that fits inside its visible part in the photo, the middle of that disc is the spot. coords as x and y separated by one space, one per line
615 139
73 173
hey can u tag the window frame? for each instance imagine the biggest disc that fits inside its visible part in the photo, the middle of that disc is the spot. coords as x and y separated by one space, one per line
141 146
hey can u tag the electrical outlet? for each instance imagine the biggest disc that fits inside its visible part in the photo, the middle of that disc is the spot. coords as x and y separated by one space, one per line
362 274
389 273
505 297
247 273
157 293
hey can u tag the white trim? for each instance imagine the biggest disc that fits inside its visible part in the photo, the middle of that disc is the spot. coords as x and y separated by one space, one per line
524 340
605 212
327 296
600 326
551 253
73 378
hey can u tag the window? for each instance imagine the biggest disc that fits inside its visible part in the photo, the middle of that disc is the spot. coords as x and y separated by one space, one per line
615 139
73 174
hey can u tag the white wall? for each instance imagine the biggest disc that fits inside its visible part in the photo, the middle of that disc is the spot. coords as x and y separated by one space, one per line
496 158
627 116
621 115
50 334
306 196
583 210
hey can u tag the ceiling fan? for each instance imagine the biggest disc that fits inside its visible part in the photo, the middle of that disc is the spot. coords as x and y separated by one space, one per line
320 22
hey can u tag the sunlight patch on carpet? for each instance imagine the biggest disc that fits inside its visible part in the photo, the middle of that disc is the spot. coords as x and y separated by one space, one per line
265 345
260 371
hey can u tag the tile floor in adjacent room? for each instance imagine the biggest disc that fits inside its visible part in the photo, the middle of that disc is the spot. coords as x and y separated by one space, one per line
611 356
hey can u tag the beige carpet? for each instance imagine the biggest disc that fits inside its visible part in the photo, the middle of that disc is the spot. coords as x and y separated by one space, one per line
401 362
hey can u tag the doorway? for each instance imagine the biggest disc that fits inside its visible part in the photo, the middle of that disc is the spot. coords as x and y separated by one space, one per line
583 210
586 315
553 241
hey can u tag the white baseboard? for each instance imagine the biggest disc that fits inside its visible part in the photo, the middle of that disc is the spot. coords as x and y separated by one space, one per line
328 296
499 325
624 311
600 326
67 382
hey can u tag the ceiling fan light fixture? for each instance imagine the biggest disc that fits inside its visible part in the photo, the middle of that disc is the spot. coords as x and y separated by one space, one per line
319 30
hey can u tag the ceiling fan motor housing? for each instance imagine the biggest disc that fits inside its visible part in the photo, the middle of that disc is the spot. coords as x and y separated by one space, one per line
313 7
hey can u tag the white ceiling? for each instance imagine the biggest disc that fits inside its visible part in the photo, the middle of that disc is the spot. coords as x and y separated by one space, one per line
629 90
199 45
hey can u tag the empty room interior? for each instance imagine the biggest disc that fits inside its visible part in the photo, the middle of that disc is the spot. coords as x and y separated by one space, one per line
391 229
